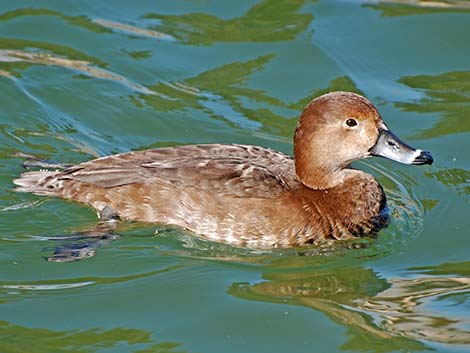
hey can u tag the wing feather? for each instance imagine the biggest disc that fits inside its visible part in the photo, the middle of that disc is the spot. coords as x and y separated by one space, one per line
231 170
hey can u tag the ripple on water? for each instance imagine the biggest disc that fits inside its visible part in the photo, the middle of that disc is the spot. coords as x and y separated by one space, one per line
406 210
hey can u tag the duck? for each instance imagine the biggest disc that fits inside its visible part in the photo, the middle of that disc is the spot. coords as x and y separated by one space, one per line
249 196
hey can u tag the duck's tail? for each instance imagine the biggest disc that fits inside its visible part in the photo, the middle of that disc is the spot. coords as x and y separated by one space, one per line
40 183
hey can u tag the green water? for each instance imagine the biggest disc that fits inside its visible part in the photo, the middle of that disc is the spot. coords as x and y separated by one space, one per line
82 79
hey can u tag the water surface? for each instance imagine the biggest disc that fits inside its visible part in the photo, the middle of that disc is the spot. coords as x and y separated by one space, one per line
85 79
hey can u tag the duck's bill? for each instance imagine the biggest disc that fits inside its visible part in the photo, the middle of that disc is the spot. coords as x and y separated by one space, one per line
390 146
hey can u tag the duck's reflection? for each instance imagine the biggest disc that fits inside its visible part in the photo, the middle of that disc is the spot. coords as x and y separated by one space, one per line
389 314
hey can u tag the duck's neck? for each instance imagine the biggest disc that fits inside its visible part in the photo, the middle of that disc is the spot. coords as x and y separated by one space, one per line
316 165
321 176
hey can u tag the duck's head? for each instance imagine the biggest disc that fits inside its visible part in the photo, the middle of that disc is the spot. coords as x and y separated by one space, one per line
338 128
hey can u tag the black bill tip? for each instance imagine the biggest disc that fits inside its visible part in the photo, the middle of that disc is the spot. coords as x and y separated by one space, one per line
423 158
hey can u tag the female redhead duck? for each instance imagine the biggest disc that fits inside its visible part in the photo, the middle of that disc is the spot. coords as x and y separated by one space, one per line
249 196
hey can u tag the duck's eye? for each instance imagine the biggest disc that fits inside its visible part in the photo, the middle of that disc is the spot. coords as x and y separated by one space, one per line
351 122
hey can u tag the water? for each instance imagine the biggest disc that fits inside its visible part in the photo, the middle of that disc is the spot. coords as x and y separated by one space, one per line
85 79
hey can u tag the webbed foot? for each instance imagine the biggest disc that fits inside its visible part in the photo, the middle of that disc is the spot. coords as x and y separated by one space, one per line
83 245
107 214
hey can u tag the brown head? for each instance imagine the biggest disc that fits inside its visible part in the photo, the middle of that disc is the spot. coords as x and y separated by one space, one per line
338 128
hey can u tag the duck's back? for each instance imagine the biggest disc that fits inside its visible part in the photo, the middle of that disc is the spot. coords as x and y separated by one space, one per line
189 164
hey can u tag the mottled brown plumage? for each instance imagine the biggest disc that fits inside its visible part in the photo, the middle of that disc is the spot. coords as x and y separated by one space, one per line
244 195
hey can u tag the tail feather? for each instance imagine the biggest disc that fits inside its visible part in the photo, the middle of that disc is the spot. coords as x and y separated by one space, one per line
39 183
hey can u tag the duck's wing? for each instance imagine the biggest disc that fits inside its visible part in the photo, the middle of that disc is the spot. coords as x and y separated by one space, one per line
230 173
274 160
